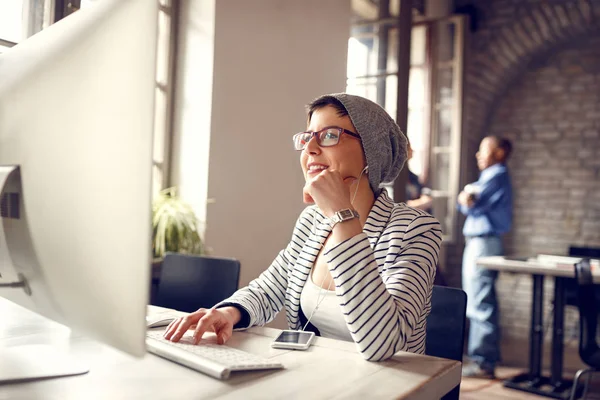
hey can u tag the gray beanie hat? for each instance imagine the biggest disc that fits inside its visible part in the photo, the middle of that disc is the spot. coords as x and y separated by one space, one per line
383 141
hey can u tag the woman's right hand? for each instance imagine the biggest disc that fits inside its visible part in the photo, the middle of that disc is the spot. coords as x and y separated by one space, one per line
217 320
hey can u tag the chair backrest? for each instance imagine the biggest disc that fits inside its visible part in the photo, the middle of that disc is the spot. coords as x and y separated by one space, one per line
446 323
588 314
571 297
188 282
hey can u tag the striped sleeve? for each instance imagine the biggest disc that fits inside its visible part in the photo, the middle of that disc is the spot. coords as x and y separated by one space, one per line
264 297
384 306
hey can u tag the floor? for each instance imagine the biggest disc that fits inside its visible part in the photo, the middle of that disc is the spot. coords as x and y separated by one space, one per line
484 389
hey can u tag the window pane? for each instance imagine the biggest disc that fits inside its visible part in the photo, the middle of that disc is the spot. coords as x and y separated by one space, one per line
394 8
443 211
415 127
415 132
11 20
87 3
418 45
365 87
369 88
444 90
160 122
444 36
162 56
444 127
157 179
417 87
392 50
391 95
362 56
441 169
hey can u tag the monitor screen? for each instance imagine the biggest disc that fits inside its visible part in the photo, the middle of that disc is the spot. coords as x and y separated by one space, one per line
76 122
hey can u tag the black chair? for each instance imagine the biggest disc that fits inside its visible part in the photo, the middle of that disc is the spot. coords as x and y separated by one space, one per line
188 282
570 286
446 327
589 350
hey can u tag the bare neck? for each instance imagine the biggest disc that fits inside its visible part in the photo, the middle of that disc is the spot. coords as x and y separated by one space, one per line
364 200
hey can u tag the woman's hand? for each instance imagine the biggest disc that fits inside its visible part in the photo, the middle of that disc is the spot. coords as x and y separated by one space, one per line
329 191
217 320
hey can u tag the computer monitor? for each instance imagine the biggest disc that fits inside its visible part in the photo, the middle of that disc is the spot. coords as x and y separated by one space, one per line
76 122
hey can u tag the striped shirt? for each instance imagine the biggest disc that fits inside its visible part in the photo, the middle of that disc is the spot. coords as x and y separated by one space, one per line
383 277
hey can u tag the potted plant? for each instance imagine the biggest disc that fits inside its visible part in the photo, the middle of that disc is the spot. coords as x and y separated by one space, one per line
174 226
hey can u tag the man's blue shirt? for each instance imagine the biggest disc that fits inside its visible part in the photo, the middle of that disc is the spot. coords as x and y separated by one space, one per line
491 214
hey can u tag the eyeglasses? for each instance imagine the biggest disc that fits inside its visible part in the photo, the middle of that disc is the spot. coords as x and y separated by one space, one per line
326 137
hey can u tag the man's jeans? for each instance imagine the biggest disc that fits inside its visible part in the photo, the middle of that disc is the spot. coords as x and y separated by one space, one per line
482 305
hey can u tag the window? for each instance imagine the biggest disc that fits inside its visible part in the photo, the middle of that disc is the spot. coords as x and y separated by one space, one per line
435 92
11 23
22 18
164 90
446 119
164 93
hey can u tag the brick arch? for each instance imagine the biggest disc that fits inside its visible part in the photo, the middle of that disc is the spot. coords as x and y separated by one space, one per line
538 30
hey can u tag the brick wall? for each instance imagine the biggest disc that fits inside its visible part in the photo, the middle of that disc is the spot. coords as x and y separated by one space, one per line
533 74
510 35
552 115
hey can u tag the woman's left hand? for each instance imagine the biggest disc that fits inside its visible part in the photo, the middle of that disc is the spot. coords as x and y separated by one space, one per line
329 191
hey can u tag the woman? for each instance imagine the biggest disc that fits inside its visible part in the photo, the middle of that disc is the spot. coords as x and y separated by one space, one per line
367 278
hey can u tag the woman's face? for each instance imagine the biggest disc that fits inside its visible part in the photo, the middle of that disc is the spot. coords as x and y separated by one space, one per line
346 157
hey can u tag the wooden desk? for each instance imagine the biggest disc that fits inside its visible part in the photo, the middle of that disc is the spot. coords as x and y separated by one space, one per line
330 369
531 267
533 381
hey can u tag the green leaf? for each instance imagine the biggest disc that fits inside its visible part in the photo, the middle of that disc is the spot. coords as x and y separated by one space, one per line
174 225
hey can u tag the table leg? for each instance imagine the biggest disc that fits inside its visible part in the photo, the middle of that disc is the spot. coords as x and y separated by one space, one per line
533 381
536 340
558 328
558 325
529 381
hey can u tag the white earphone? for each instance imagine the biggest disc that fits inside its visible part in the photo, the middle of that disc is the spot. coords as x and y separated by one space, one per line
365 169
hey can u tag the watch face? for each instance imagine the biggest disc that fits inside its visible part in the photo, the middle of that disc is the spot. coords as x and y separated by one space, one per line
345 214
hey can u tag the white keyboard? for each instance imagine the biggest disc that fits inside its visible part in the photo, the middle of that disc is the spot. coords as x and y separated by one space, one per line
215 360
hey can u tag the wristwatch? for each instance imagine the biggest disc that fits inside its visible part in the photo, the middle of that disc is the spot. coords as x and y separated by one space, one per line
343 215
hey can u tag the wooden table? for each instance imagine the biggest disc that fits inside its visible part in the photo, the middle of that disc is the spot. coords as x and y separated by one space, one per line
330 369
553 386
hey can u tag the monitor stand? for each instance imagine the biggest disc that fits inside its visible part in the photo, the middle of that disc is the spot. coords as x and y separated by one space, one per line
22 359
37 361
24 362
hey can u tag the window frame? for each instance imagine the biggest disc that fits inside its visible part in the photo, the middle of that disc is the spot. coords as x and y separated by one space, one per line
163 135
447 215
458 109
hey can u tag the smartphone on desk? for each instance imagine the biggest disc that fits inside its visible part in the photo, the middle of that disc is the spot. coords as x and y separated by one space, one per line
294 340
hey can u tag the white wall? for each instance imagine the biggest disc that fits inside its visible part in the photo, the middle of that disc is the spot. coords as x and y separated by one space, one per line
271 57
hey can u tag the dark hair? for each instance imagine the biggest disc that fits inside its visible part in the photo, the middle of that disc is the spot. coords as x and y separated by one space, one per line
325 101
503 144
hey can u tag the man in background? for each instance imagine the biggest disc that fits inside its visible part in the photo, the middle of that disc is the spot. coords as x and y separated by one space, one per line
487 204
